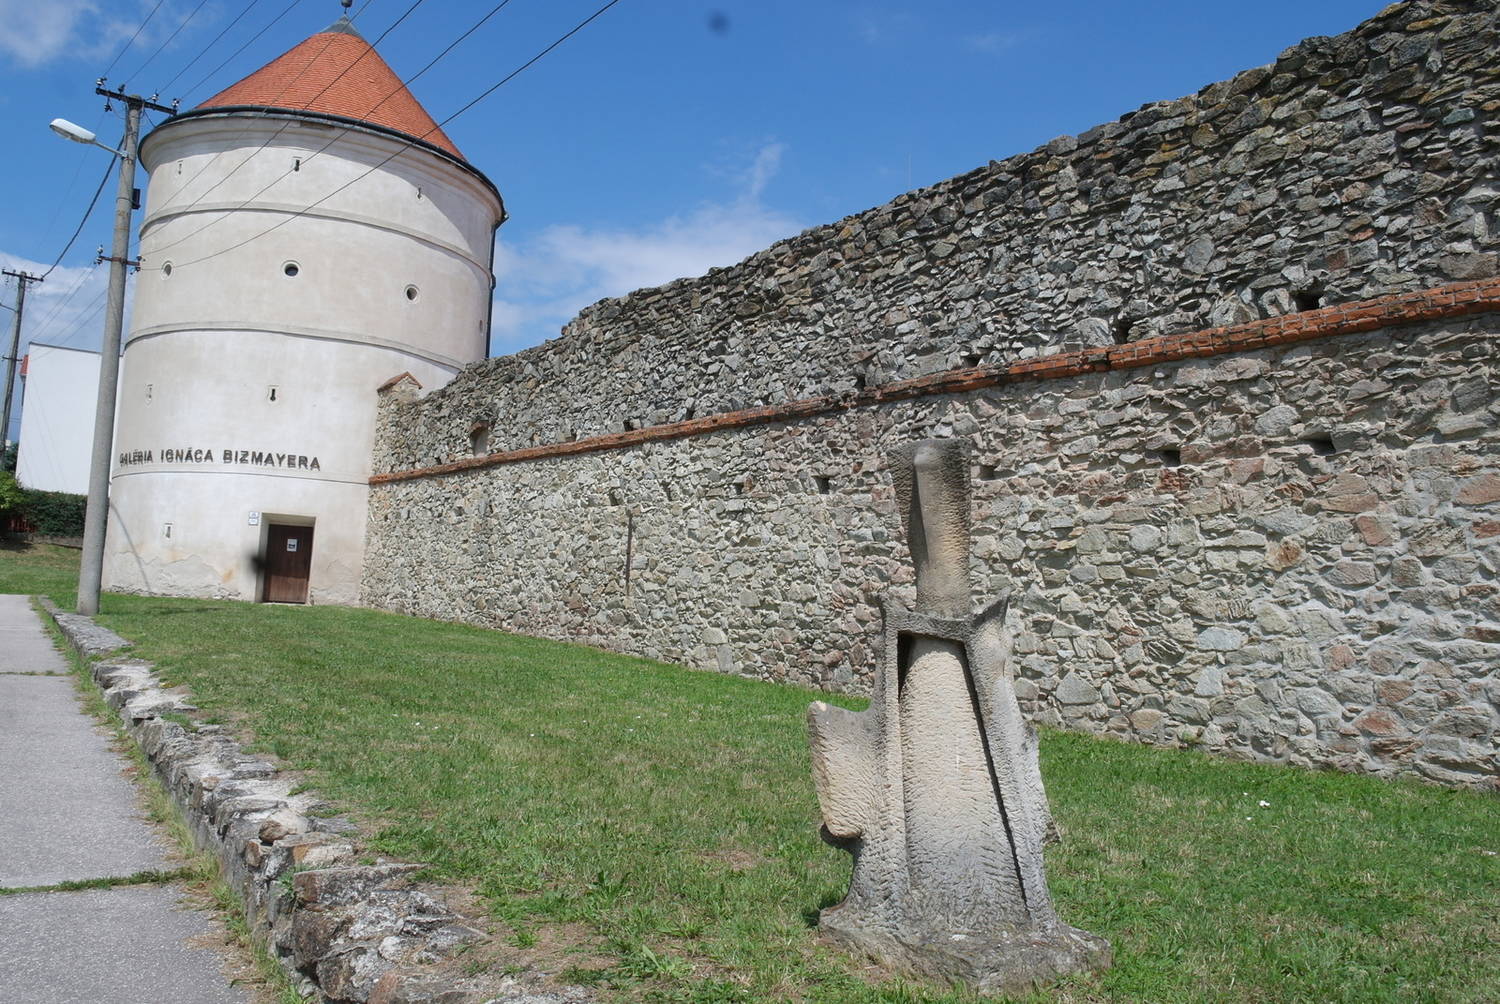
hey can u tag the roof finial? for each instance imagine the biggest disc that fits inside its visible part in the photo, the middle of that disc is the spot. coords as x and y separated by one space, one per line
344 26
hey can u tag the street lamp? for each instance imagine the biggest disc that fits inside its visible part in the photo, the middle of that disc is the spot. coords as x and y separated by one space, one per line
78 134
91 568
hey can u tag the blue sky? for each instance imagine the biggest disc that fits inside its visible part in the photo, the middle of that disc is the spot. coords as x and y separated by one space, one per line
667 137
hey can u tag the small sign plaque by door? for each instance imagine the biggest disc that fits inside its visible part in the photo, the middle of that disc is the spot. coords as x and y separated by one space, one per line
255 519
291 543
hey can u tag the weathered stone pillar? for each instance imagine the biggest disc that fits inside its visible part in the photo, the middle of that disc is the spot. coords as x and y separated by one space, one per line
936 789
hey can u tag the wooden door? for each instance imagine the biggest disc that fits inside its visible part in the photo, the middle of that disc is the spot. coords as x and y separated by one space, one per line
288 562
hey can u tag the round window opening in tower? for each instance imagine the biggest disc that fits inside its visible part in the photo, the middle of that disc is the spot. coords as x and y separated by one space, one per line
290 269
412 292
166 270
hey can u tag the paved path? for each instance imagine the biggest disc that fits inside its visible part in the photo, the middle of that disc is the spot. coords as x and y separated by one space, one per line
67 812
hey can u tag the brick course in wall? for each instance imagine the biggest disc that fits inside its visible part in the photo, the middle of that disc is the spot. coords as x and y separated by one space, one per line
1228 366
1289 553
1353 167
1455 300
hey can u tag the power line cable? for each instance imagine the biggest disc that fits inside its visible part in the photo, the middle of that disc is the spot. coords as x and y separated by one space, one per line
451 46
271 106
77 170
175 32
58 308
62 303
137 34
108 170
95 307
344 131
205 50
524 66
409 143
370 47
248 42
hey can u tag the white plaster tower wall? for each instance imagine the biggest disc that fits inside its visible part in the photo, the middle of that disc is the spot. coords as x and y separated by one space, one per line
292 263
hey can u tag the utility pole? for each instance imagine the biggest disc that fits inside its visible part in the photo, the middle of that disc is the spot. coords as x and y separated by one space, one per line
23 279
91 571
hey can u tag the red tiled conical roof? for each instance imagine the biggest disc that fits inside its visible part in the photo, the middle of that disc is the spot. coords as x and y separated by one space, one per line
336 72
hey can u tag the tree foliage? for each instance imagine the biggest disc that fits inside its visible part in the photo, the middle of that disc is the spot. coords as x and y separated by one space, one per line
12 495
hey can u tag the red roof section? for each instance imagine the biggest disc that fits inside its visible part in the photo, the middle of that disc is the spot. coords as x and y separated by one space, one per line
336 72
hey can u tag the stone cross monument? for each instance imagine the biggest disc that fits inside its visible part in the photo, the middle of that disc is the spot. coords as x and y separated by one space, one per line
936 789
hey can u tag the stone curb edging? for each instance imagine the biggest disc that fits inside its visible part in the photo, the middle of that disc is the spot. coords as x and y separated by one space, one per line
343 931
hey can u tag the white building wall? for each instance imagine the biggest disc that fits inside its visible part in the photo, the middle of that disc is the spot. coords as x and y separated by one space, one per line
392 275
57 418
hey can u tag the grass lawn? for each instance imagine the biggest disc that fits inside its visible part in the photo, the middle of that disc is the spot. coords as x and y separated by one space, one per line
40 569
664 820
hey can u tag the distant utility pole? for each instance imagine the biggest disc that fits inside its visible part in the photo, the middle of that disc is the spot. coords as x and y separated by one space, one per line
91 571
23 279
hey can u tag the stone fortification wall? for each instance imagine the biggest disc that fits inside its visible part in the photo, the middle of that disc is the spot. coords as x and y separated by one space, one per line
1233 517
1289 553
1352 166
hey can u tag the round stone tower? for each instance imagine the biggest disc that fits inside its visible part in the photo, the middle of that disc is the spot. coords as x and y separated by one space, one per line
309 234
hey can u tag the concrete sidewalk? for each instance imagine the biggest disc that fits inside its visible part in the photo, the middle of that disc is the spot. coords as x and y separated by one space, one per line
67 812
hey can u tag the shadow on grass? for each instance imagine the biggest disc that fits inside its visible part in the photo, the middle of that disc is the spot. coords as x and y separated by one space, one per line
163 610
832 897
25 545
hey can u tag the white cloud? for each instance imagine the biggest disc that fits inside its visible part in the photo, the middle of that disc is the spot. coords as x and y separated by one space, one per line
67 309
36 33
881 27
544 282
33 34
994 41
763 169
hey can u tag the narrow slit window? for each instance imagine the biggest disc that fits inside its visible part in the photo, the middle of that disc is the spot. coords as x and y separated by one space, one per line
1307 299
1323 446
479 439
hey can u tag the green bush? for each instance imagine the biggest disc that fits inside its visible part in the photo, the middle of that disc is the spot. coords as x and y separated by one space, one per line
57 514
